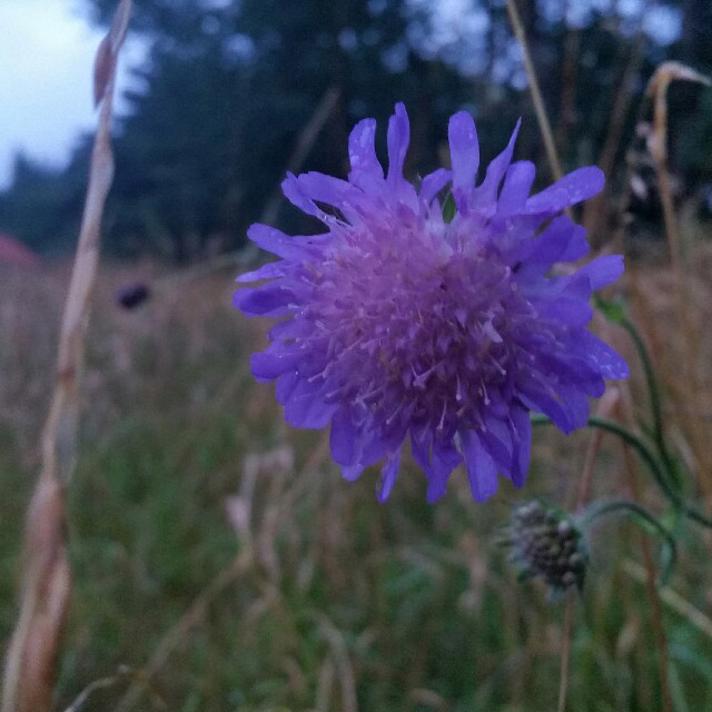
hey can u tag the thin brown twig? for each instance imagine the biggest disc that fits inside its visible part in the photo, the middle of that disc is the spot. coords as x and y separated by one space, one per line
30 668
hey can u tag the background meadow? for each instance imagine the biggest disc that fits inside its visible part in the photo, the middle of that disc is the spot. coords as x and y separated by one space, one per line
220 562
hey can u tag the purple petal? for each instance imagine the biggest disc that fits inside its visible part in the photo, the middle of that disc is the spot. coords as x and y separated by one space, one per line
295 194
576 404
481 470
388 475
288 247
305 407
445 460
603 270
485 197
561 241
464 154
270 300
567 310
517 184
366 170
343 440
327 189
522 442
286 384
534 396
268 366
352 472
433 183
398 139
269 271
573 188
603 358
420 441
497 440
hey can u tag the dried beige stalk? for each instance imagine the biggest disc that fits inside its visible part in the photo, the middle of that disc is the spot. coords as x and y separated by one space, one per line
30 668
657 142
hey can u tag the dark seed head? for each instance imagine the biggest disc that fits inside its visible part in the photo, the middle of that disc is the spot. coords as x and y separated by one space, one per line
545 543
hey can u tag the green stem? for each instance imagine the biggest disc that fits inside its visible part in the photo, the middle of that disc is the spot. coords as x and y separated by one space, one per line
642 517
653 392
646 456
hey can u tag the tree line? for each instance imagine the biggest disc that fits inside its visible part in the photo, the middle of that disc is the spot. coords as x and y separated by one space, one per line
229 86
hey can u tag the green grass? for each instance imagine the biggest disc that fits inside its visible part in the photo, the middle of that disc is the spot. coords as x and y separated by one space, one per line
403 607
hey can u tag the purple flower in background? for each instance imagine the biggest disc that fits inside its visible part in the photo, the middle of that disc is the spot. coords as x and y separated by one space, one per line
399 323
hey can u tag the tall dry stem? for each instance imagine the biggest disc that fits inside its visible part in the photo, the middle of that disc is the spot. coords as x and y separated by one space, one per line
657 623
657 89
542 117
30 668
596 209
555 167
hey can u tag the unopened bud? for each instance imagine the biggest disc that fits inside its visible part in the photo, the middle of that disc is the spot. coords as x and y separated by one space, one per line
545 543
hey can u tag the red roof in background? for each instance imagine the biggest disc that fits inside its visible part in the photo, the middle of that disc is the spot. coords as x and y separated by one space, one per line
13 252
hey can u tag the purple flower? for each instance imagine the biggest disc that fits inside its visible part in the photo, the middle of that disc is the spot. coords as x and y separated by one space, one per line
398 323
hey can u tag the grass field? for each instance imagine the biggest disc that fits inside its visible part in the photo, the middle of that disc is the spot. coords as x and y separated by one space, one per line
311 595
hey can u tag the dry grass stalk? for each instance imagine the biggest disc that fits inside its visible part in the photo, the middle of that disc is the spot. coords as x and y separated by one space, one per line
30 668
626 413
541 115
603 410
657 89
583 492
566 635
595 209
305 142
342 663
673 600
555 167
567 110
102 684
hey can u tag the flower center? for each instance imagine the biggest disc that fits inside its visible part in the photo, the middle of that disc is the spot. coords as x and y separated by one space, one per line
408 337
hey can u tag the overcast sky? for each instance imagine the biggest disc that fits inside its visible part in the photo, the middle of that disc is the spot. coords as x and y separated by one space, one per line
46 54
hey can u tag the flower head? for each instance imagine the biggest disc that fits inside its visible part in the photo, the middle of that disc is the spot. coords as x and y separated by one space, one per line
397 323
545 543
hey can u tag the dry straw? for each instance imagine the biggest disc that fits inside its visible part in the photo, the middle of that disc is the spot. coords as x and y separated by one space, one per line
555 167
657 89
30 668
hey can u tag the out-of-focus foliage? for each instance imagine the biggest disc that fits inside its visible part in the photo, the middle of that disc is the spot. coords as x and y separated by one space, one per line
228 85
402 608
